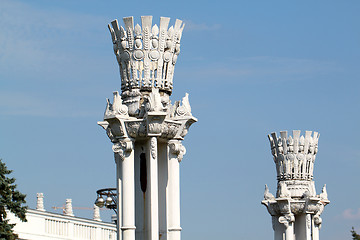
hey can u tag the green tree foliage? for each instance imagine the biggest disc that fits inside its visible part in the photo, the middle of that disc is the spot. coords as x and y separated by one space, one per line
11 200
354 234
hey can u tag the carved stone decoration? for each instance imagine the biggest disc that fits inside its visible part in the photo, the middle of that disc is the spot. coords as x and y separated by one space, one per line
183 108
323 194
68 211
117 108
153 102
136 128
170 129
105 125
123 148
287 219
40 202
144 65
297 150
154 122
317 218
132 100
153 147
296 200
178 149
283 192
267 194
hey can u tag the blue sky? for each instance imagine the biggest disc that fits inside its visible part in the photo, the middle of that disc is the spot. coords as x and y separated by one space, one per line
250 67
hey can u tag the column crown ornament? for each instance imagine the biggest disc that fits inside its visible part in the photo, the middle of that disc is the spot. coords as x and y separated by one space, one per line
294 156
146 54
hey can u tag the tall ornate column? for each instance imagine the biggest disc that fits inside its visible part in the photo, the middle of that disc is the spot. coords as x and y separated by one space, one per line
176 152
296 209
146 129
124 150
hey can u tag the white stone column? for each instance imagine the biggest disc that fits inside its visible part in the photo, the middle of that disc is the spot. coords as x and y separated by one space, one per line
153 189
308 226
279 230
289 232
315 230
288 221
118 162
128 192
175 154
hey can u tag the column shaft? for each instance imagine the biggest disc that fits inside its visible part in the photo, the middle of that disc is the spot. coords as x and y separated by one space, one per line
153 189
308 226
289 232
173 197
118 162
128 197
315 231
279 229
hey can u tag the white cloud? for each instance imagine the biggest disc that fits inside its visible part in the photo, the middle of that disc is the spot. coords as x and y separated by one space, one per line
36 40
20 104
264 68
351 214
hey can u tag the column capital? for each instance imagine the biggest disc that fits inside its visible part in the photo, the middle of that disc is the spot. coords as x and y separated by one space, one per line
123 147
177 148
287 219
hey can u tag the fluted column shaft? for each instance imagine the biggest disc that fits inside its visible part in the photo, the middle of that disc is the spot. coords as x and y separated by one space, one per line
153 204
124 156
173 190
118 162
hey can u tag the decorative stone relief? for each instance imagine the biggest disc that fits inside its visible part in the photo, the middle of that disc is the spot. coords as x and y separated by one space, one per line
323 195
283 192
153 101
170 129
178 149
132 100
317 218
117 108
154 121
153 147
136 128
182 108
267 194
294 156
123 148
287 220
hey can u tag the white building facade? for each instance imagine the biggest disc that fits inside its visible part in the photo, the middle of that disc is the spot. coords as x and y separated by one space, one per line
43 225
